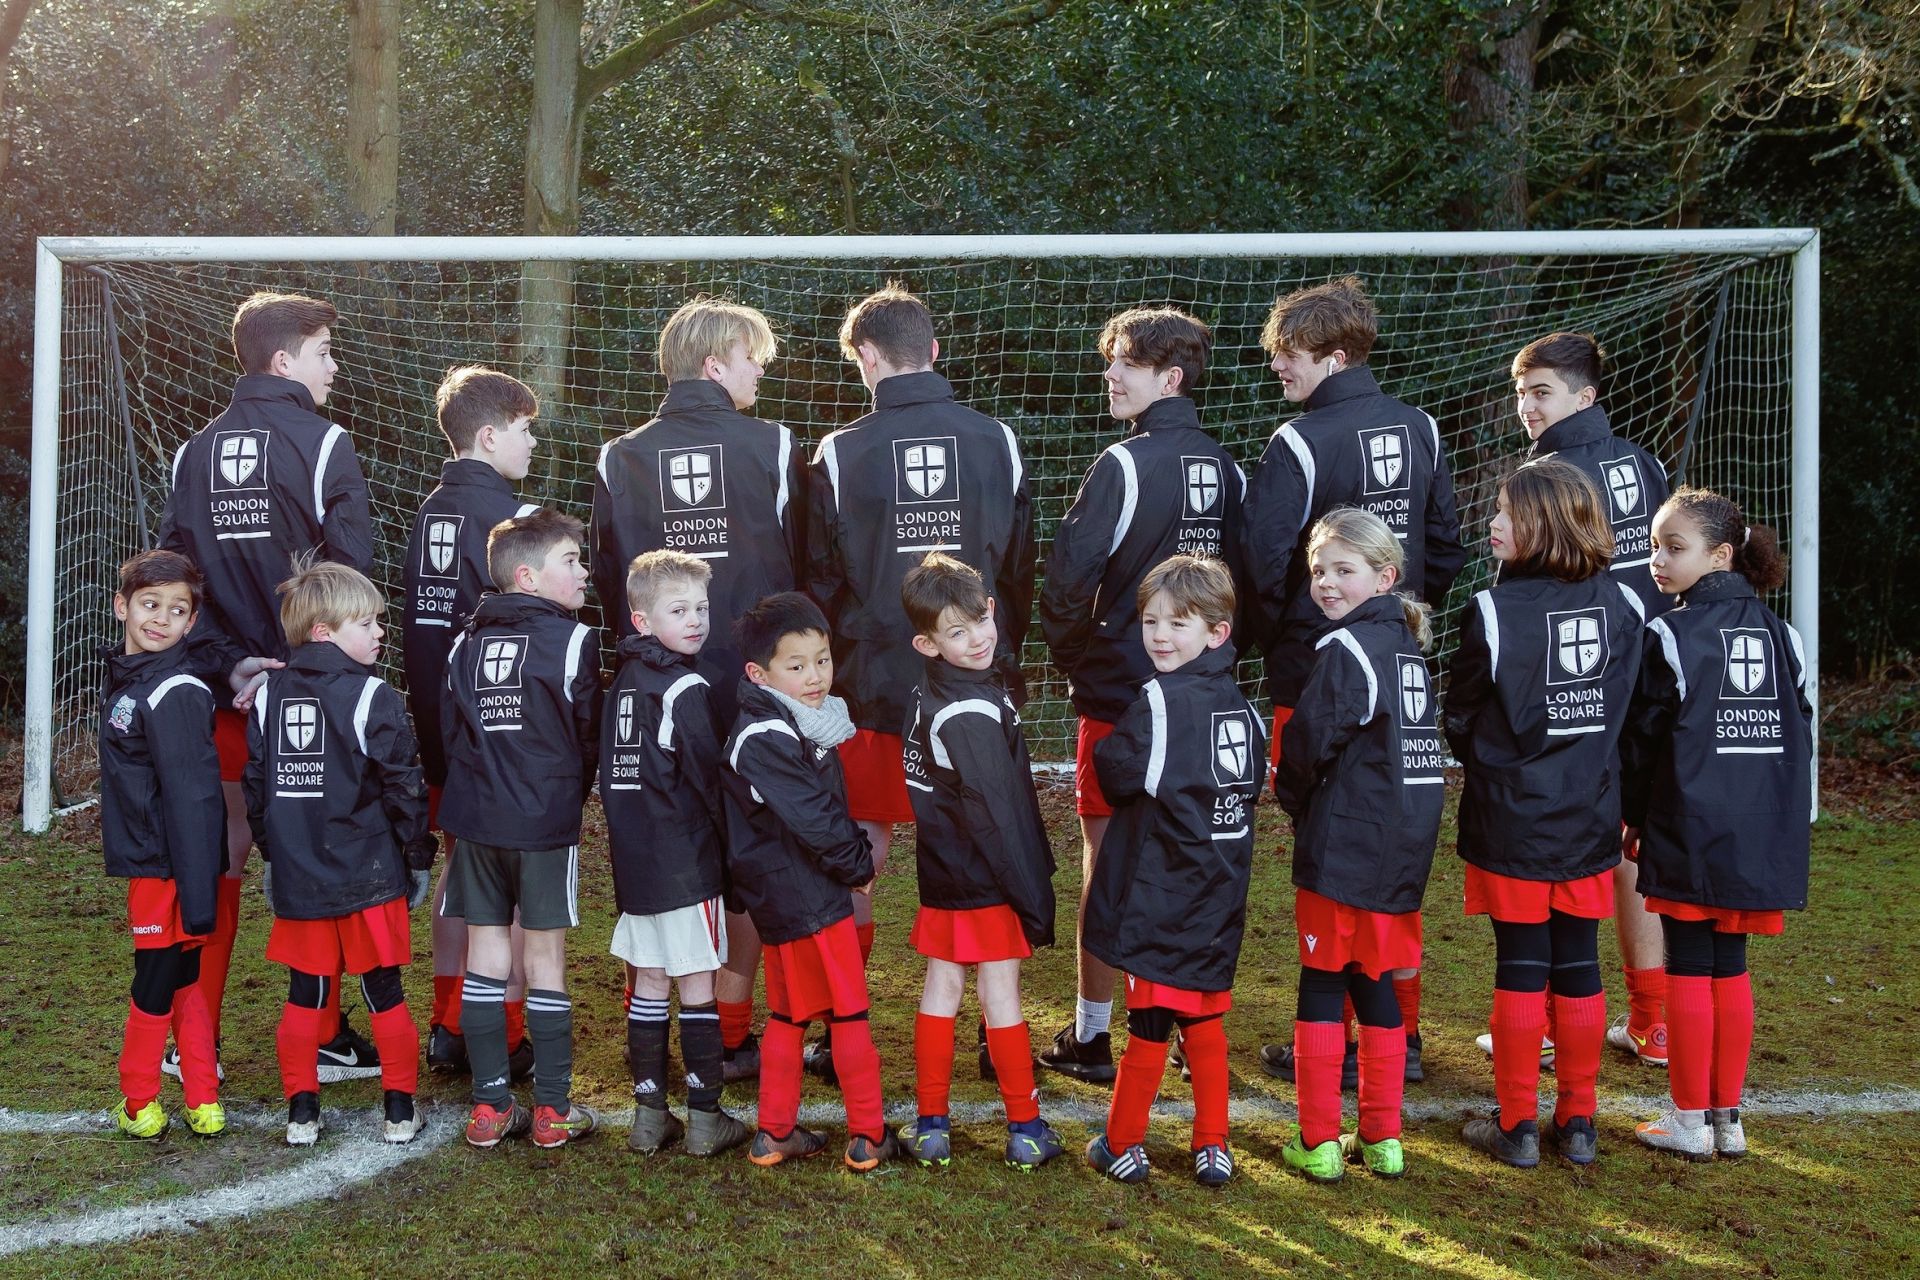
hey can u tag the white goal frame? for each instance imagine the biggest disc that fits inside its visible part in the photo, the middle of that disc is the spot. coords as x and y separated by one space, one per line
54 254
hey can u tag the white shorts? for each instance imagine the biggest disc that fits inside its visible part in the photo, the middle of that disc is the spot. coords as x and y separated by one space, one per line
688 940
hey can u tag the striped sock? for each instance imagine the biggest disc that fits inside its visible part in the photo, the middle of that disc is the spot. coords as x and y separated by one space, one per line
647 1050
550 1026
700 1046
483 1012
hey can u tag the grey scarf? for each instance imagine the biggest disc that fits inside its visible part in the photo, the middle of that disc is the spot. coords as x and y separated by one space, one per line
827 725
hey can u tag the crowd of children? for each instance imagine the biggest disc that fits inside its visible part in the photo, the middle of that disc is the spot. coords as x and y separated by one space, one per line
805 654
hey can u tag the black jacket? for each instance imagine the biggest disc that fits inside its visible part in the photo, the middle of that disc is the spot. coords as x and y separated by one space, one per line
1361 766
1167 489
521 724
162 815
1632 486
1355 446
713 482
918 474
265 480
1182 767
979 839
1718 754
1537 696
660 782
333 785
446 574
792 851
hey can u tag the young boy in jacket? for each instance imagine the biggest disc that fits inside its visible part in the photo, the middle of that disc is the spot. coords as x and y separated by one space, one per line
1167 489
707 479
487 418
985 867
660 785
339 810
793 857
268 479
521 723
162 830
1169 898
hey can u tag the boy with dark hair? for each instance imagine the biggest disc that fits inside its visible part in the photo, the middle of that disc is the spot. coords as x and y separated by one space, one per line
985 866
162 830
268 479
521 725
793 857
487 418
707 479
338 808
1355 446
1167 489
660 784
920 473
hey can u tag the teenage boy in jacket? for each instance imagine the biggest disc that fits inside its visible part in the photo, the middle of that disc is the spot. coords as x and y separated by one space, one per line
487 418
1167 489
339 810
162 830
521 722
793 856
268 479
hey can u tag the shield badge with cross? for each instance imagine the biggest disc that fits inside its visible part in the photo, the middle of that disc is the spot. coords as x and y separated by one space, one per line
1203 486
1413 689
498 659
926 468
442 537
1623 485
691 476
1230 747
1747 661
239 458
623 720
1387 457
1577 644
300 723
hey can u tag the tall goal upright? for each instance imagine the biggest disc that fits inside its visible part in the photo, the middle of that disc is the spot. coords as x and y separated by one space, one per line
1713 339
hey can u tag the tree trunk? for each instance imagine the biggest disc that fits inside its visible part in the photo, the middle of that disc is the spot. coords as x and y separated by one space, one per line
1492 95
217 77
554 139
373 113
11 20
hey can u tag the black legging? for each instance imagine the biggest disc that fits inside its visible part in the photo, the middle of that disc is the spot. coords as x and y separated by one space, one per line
1323 996
1696 950
1563 952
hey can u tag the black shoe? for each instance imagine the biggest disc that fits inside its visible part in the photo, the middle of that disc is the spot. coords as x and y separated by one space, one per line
348 1056
1277 1061
818 1060
1576 1139
1518 1146
1415 1073
741 1062
1089 1060
446 1052
520 1061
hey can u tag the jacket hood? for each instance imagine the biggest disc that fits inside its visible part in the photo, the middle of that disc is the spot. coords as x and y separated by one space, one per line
509 608
1588 426
648 649
695 393
1211 662
474 472
125 668
325 657
1721 584
270 386
1168 413
1347 384
911 388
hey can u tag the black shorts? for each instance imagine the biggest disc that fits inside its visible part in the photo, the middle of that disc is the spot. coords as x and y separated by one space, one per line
485 884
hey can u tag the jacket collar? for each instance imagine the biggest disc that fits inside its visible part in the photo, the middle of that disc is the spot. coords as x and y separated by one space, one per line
472 471
325 659
506 608
649 650
1167 414
1386 608
270 386
1348 384
1722 584
1588 426
129 668
946 678
904 389
756 701
1211 662
690 394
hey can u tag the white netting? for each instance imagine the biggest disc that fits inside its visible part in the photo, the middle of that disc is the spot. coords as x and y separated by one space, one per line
1017 339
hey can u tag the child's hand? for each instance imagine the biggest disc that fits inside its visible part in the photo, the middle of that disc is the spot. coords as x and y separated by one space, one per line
247 676
1630 844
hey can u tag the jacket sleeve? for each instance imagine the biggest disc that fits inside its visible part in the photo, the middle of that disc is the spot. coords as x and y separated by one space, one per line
584 686
696 748
793 520
1270 524
776 765
1123 760
1081 547
253 778
1445 555
187 768
603 548
1649 727
1332 708
826 569
1014 590
394 757
1002 833
1469 684
346 519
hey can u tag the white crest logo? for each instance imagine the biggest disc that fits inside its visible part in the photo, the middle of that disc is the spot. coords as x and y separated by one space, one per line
497 662
1230 745
300 723
1385 455
691 475
442 536
1413 689
926 469
1313 940
625 720
1747 662
1577 644
1203 486
1623 484
239 458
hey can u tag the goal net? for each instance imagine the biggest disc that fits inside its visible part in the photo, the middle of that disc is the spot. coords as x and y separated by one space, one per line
1700 368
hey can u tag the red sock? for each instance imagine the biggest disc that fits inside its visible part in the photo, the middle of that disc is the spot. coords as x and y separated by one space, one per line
1010 1049
932 1063
857 1063
864 932
780 1047
1646 998
1581 1022
516 1023
298 1041
1732 1037
398 1041
736 1021
1407 992
446 1002
1134 1087
193 1036
1383 1079
1205 1044
330 1016
1519 1021
216 955
1690 1035
1317 1050
141 1046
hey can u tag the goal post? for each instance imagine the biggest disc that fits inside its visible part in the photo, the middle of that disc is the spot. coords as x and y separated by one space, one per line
1713 338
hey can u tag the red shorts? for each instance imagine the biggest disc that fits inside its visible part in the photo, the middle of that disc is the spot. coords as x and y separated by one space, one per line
358 943
230 740
1143 994
153 915
1280 717
1725 919
1515 901
820 974
433 806
876 779
1334 935
1087 800
971 936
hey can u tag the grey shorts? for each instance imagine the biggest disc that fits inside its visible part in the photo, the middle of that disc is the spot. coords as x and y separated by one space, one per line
485 884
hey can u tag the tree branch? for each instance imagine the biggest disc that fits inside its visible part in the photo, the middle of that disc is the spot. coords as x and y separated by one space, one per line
644 50
11 21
